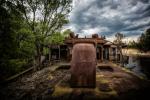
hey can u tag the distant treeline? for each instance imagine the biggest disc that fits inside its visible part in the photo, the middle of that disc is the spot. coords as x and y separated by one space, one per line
143 42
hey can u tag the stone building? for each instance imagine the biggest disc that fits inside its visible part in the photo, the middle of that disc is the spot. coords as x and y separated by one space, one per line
105 50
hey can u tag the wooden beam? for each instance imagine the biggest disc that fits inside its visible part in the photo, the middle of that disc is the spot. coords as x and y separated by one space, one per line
18 75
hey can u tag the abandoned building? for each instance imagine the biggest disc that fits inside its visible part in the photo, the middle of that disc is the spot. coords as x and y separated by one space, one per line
105 50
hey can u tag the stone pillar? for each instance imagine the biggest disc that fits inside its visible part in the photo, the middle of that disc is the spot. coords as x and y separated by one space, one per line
102 53
116 54
110 53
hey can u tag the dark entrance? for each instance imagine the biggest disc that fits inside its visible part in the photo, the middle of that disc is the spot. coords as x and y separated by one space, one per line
106 53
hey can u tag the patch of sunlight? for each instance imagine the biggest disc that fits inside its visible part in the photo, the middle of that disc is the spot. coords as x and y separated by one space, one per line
112 93
128 71
103 81
103 95
49 77
96 90
114 75
59 91
54 67
113 64
99 75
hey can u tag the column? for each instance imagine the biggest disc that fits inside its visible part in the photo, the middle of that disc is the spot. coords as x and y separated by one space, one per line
110 53
102 53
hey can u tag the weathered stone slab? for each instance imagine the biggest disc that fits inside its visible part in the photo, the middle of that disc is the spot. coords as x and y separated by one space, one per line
83 65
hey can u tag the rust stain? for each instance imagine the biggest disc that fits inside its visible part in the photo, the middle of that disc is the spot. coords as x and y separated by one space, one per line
83 65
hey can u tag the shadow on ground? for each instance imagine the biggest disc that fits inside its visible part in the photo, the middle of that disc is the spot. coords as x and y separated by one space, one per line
53 83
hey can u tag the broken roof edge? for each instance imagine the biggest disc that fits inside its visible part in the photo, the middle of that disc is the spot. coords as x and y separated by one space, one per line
85 40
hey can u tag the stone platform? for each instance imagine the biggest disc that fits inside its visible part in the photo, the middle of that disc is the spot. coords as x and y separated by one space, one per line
112 83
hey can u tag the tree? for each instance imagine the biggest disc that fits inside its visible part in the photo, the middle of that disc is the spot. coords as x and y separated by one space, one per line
14 34
144 41
119 43
132 44
58 38
67 32
44 17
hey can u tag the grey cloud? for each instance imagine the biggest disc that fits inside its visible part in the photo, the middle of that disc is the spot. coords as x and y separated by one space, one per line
144 1
141 26
111 14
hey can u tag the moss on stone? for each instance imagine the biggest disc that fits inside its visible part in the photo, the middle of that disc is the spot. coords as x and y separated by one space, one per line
104 95
59 91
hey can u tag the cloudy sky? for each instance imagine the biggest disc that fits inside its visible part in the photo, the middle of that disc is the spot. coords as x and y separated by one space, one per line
106 17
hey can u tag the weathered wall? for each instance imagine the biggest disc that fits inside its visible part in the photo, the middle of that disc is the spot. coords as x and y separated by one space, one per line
83 65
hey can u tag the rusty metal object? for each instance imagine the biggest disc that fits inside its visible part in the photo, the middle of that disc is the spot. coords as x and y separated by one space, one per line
83 65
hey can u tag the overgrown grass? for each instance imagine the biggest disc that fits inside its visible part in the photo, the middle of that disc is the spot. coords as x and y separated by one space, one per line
12 67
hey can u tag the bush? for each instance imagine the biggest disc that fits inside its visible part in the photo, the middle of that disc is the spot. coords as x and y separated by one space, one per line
16 65
11 67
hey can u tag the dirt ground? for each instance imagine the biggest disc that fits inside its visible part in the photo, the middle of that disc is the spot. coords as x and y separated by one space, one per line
53 82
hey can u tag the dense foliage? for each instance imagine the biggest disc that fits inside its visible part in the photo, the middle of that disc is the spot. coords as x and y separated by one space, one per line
143 42
58 37
23 36
16 47
44 18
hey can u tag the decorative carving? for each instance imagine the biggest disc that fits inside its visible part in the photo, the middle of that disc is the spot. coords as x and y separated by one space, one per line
94 35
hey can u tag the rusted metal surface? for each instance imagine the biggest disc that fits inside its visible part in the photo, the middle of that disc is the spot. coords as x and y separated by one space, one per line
85 40
83 65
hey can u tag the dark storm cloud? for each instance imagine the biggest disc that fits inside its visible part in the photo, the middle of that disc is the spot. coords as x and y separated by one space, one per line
107 17
141 26
144 1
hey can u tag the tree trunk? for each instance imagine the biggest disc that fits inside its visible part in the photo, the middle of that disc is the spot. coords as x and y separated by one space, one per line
38 56
122 59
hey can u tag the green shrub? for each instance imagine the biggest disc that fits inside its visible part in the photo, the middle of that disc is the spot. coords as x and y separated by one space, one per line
11 67
16 65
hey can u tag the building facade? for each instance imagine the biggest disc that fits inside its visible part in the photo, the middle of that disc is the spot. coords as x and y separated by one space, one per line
105 50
